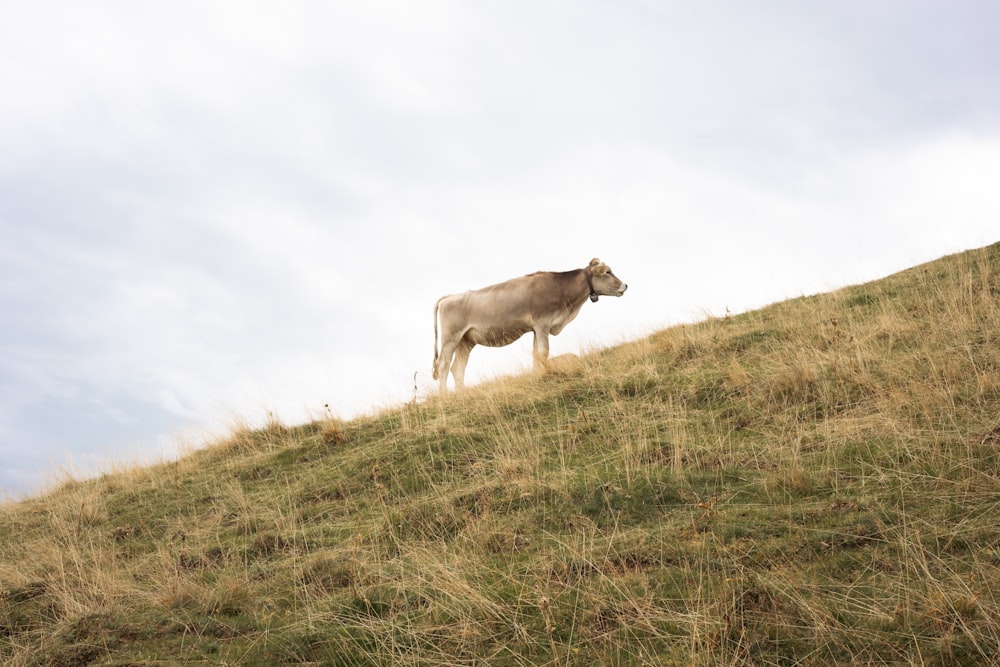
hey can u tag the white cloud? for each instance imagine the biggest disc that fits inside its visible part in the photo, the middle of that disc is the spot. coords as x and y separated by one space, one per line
233 208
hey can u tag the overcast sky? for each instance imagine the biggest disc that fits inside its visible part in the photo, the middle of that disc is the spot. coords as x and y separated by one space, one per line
214 210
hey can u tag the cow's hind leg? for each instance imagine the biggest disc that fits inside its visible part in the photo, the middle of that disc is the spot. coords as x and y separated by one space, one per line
444 365
461 359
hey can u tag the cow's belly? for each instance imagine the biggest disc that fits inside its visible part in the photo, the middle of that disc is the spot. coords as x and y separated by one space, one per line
495 336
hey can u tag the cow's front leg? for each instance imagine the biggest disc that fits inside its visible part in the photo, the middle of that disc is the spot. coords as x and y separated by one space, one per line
540 352
461 359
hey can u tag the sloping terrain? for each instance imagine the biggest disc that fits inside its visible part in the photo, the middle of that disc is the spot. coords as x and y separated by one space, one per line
815 482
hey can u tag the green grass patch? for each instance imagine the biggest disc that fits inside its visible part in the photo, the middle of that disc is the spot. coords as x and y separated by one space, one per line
816 482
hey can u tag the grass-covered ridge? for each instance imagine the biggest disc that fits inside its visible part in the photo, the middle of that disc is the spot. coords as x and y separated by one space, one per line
814 482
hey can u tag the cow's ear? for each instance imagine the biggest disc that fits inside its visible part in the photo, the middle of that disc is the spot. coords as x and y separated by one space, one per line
594 262
598 269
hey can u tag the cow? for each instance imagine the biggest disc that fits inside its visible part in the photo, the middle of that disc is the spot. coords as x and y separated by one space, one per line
543 302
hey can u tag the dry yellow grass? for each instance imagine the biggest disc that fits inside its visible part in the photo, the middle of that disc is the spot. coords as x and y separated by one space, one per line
815 482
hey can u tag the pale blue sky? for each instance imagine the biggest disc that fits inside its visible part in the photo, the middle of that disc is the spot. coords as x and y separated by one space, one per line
212 211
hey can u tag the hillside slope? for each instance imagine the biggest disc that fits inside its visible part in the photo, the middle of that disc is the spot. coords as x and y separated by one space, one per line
814 482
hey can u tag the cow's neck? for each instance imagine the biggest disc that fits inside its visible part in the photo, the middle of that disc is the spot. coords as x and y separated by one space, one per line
590 285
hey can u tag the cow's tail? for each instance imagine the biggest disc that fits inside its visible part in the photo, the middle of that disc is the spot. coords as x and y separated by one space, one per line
434 373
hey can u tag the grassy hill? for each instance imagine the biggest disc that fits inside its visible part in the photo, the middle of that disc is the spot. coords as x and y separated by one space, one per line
814 482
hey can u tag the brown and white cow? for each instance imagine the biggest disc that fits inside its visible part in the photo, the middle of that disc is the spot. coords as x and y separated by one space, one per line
542 302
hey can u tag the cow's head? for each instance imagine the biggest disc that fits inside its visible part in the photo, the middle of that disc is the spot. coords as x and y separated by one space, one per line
602 281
